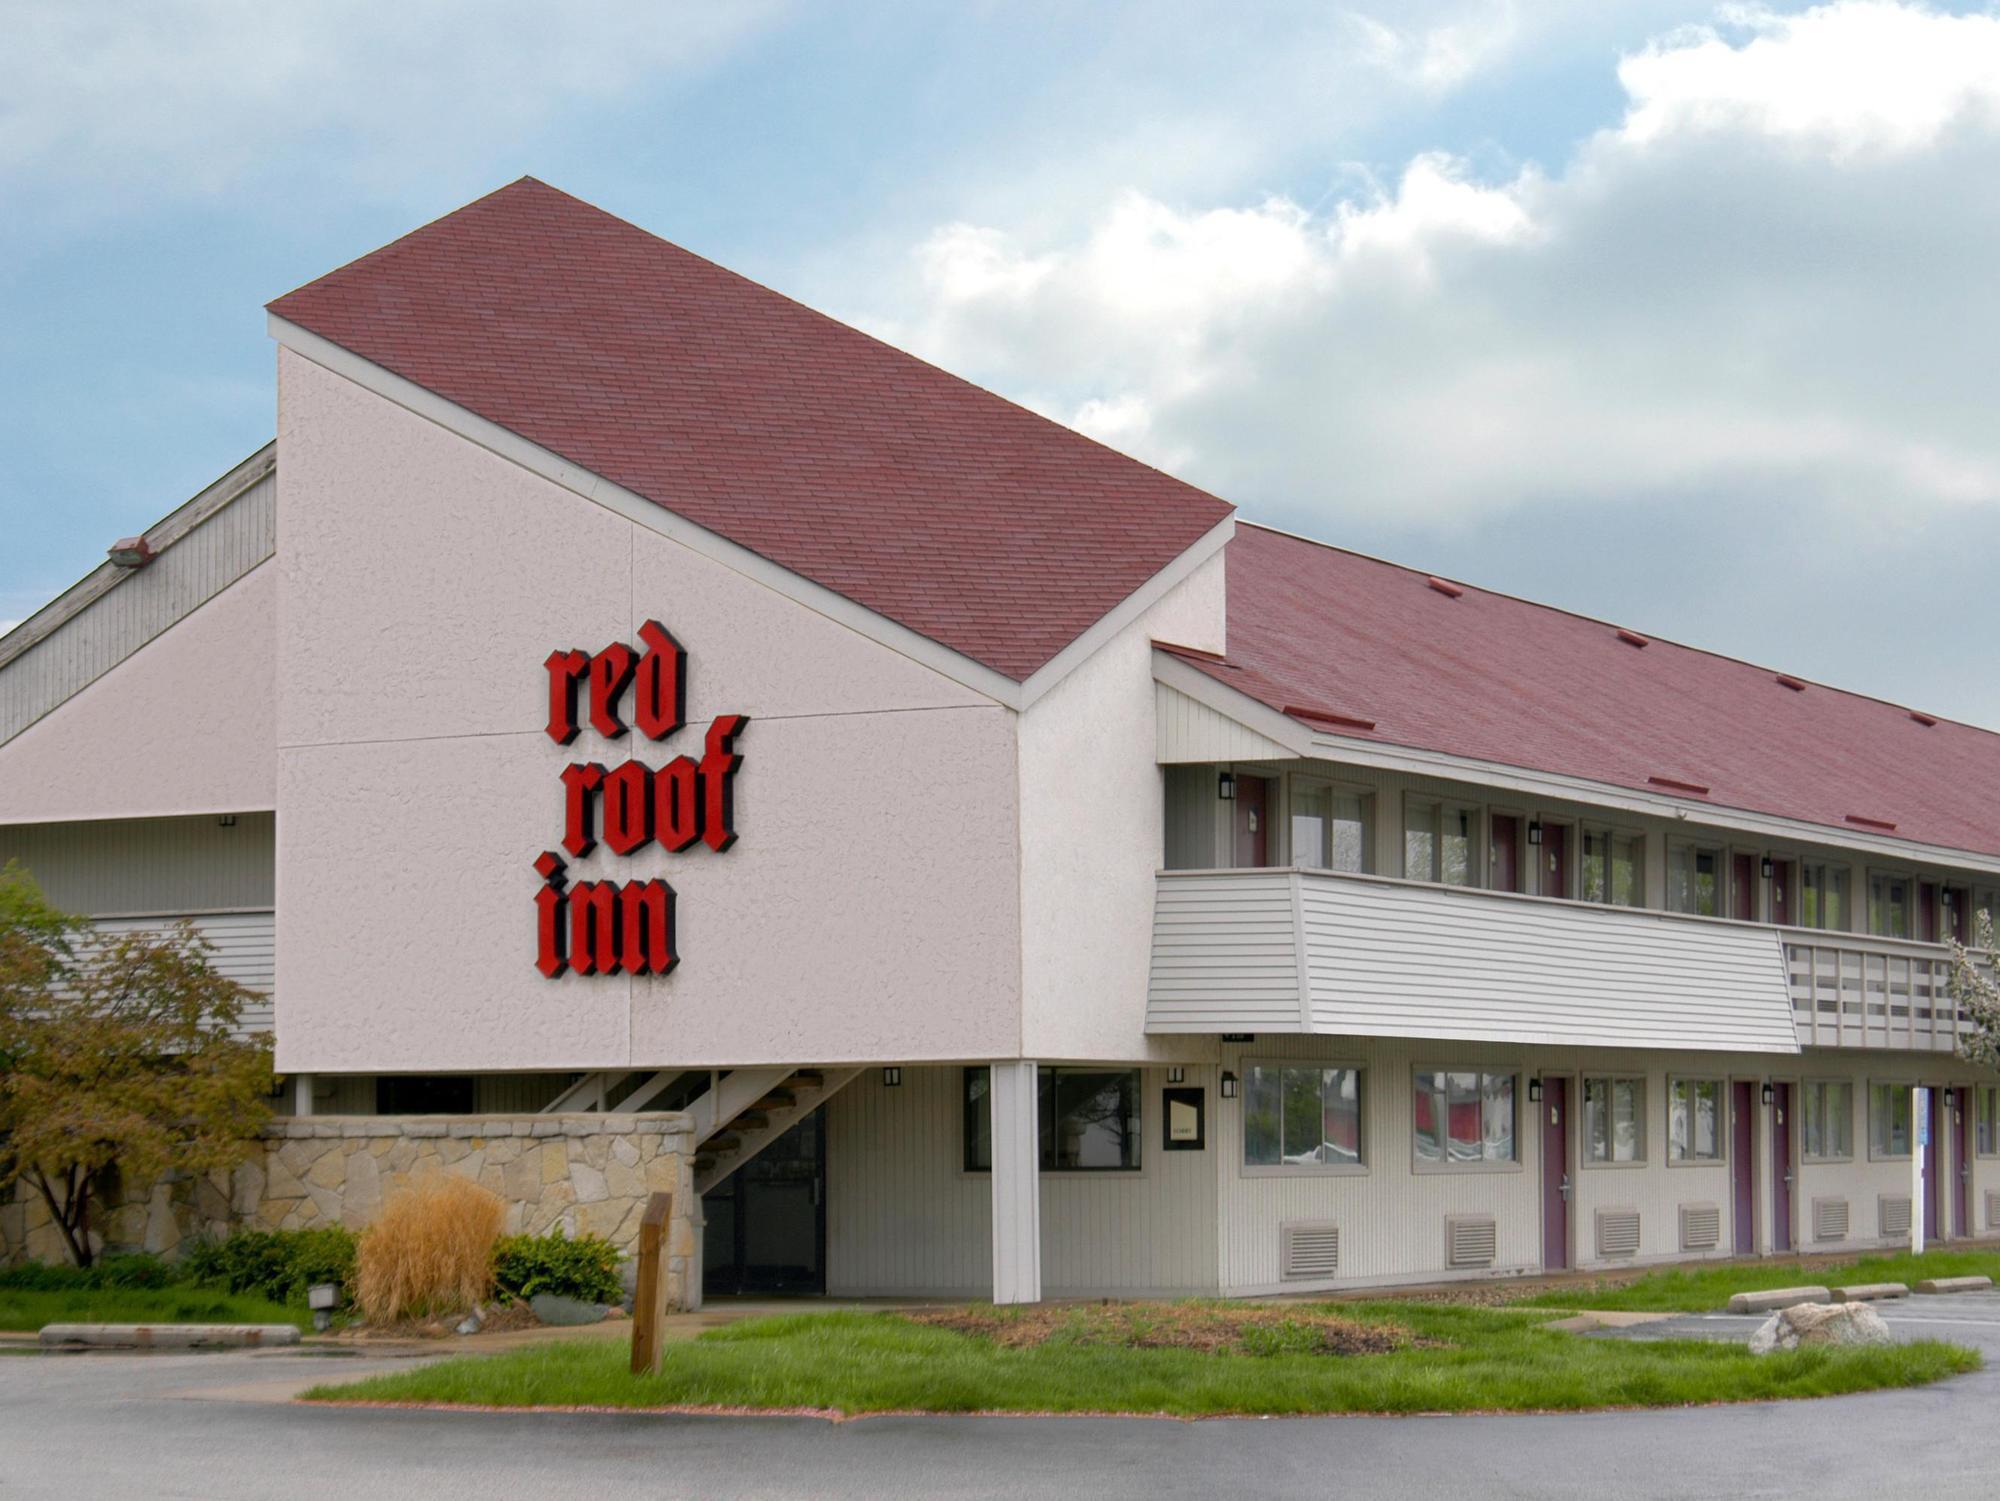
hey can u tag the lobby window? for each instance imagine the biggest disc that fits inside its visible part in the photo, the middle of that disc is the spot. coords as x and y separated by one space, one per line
1694 1120
1694 880
1823 899
1440 842
1301 1115
1888 904
1332 828
1463 1117
1089 1120
1612 868
1888 1120
1986 1119
1614 1120
1826 1120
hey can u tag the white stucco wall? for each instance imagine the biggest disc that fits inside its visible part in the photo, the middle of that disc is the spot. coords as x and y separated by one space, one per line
183 725
868 909
1092 834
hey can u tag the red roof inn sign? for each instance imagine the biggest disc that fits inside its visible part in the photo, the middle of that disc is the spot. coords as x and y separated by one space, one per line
601 927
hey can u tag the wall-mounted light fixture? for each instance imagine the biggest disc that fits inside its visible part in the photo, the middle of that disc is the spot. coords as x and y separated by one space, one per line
1535 1089
1228 1085
1534 831
1769 1093
1177 1075
130 552
1225 786
891 1077
226 820
1768 868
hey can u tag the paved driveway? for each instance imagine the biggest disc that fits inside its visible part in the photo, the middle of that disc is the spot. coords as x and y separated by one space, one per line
215 1426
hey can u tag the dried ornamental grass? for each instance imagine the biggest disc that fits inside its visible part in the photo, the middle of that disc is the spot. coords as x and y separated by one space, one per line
430 1252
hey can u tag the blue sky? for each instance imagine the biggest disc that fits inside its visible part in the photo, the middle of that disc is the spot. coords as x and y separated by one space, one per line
1669 313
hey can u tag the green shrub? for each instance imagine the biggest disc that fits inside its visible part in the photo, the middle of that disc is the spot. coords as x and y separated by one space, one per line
585 1268
137 1270
275 1264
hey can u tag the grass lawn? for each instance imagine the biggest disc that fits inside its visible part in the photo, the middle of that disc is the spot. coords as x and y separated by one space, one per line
1704 1289
1439 1358
165 1305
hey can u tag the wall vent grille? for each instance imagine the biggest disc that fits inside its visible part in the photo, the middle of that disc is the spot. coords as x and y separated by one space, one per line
1617 1232
1471 1240
1308 1250
1892 1213
1701 1227
1993 1209
1829 1219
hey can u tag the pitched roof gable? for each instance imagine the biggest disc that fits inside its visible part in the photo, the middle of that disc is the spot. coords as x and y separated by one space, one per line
993 531
1341 641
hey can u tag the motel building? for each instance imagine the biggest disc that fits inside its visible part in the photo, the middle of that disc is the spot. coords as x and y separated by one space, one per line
621 699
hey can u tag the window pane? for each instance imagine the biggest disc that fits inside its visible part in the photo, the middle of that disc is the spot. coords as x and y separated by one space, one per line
1095 1121
1429 1109
1889 1119
1840 1119
1497 1117
1420 841
1456 849
1597 1119
1302 1122
1261 1094
1707 1120
1463 1123
1310 811
1624 870
1350 832
1889 906
1628 1120
978 1121
1596 869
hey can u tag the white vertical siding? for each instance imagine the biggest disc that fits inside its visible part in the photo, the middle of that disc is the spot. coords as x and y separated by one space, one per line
146 865
1188 730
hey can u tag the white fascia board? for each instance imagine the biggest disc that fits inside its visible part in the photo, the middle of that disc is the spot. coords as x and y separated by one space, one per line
654 517
1316 746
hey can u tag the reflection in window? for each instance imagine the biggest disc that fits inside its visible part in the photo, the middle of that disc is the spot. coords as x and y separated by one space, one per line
1694 1120
1611 867
1888 905
1823 895
1301 1115
1330 828
1694 880
1439 840
1826 1120
1986 1119
1464 1116
1889 1120
1614 1120
1089 1120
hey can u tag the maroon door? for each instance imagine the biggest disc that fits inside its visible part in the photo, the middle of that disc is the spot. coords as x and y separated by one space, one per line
1253 839
1960 1118
1555 1173
1555 859
1781 1167
1933 1181
1743 1167
1927 912
1781 892
1957 905
1743 889
1506 852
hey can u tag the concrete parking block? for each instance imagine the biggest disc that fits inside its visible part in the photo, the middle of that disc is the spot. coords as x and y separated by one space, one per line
1870 1292
1772 1299
1954 1284
167 1336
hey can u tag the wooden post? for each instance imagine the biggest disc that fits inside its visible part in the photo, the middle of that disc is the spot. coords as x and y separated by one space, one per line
649 1300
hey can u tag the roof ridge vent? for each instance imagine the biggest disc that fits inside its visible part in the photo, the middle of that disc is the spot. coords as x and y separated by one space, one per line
1675 784
1871 823
1926 720
1328 716
1444 586
1786 680
1632 638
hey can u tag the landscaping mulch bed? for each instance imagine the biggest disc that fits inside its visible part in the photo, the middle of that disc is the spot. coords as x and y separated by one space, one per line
1208 1328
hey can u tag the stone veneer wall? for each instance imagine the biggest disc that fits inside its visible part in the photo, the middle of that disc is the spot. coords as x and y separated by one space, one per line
589 1173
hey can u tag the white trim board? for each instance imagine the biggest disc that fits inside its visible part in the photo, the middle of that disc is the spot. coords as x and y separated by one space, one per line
1314 745
817 597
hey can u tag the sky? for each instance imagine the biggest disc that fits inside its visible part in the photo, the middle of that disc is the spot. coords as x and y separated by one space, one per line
1681 315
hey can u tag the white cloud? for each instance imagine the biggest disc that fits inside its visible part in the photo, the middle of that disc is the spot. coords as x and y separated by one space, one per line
1772 275
193 98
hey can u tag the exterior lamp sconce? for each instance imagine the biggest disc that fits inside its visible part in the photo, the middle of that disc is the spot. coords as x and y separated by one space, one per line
1228 1085
1225 786
1769 1093
892 1078
1534 831
226 820
1535 1090
1768 869
1177 1076
130 552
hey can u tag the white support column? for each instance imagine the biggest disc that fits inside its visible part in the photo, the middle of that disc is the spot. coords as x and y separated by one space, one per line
1017 1185
302 1094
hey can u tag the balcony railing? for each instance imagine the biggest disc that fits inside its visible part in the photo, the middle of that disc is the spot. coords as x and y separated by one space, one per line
1311 951
242 946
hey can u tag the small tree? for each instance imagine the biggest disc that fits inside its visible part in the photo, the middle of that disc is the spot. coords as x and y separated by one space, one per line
117 1053
1976 989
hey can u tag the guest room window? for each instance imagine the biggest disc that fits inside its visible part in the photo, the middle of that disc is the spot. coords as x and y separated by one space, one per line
1301 1115
1089 1120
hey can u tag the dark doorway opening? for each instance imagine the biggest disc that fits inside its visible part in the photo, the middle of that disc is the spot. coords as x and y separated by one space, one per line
766 1230
1742 1147
1781 1166
1555 1173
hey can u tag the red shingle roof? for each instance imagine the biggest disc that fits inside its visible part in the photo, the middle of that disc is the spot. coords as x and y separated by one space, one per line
1315 631
985 527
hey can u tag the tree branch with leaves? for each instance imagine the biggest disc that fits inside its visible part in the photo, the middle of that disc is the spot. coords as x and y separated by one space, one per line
1975 989
120 1054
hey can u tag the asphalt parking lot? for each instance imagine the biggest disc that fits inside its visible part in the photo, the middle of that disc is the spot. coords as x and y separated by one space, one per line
220 1426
